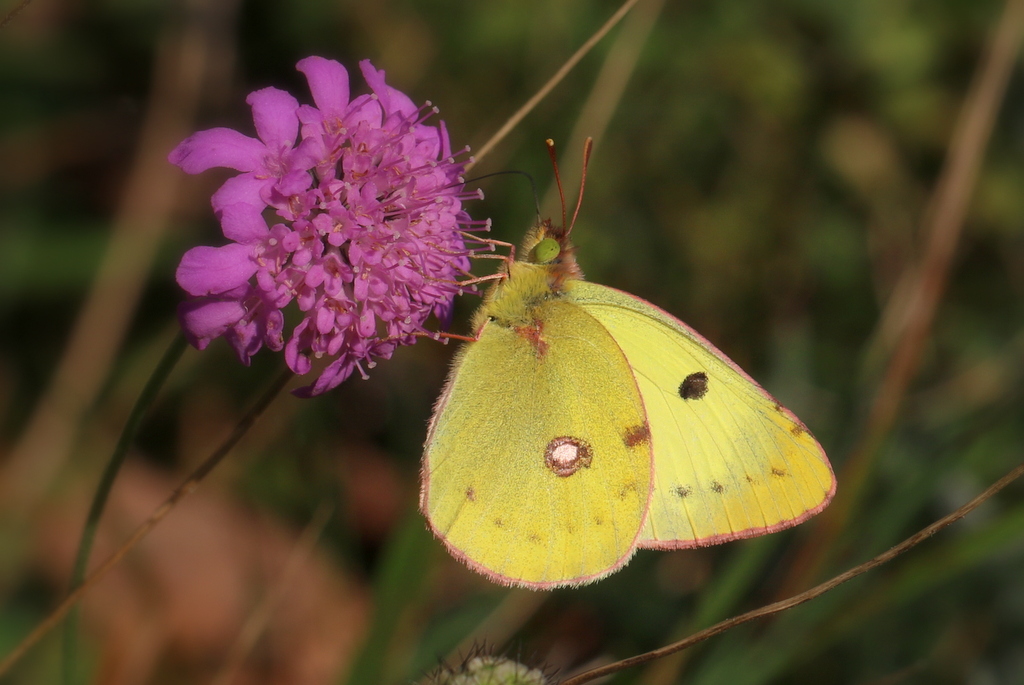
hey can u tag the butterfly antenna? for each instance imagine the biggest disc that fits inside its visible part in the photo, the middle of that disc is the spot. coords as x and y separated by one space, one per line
527 175
588 147
558 179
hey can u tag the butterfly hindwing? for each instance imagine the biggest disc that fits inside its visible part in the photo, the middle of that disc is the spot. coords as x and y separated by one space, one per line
730 461
538 462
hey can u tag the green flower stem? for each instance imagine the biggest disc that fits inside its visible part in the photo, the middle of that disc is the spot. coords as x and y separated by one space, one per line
99 499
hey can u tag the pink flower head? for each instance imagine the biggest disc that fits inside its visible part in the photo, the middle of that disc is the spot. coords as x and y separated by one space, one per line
350 209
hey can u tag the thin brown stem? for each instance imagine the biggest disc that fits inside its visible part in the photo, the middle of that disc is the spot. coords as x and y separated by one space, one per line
185 63
187 487
446 336
925 286
780 606
514 120
610 85
486 241
15 11
472 281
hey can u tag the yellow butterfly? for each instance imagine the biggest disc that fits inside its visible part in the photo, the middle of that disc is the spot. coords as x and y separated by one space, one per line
583 423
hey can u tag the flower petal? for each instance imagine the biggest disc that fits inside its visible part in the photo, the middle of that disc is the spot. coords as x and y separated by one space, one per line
213 270
366 110
330 378
273 113
293 183
446 144
328 83
444 310
243 223
218 147
393 100
307 155
242 188
207 318
244 338
294 358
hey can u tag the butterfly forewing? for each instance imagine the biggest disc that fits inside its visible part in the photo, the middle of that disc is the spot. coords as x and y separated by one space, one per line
538 463
730 461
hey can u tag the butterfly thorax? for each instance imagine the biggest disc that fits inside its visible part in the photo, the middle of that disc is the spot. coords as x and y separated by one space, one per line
542 275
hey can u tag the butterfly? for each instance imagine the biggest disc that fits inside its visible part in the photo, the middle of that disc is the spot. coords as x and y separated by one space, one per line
582 423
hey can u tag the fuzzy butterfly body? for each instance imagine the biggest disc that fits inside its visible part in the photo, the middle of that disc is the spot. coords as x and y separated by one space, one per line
583 423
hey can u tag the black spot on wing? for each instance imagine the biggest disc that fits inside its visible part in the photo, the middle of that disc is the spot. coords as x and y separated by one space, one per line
796 427
682 491
717 487
694 386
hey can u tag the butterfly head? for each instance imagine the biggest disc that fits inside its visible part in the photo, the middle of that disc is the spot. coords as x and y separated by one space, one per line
546 263
548 246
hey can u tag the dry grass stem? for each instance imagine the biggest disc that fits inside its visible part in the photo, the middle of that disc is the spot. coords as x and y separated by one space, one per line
180 74
924 284
609 87
514 120
15 11
796 600
187 487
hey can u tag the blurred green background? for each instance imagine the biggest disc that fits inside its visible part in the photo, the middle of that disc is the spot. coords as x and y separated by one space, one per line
761 171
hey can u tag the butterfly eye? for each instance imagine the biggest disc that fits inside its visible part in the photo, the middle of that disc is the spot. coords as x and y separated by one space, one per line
694 386
545 251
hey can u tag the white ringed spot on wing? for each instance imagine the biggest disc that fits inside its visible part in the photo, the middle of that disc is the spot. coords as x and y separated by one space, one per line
565 455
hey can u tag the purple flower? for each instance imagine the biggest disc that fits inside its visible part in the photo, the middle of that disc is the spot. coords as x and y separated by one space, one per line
350 209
